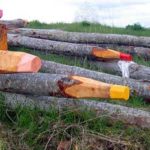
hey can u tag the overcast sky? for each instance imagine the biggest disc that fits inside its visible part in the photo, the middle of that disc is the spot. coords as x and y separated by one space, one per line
111 12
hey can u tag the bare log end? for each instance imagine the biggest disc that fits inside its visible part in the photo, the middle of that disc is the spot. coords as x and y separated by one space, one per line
11 62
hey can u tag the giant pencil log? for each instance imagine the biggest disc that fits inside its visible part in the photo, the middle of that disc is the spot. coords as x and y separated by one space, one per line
138 87
136 71
115 112
12 24
143 52
61 85
75 37
66 48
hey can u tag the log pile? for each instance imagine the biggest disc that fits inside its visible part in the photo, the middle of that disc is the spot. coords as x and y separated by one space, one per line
61 85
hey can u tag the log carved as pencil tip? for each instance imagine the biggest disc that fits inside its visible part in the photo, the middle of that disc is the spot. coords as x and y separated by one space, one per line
81 87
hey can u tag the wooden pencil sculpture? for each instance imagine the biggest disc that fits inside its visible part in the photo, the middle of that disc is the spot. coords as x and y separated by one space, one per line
61 85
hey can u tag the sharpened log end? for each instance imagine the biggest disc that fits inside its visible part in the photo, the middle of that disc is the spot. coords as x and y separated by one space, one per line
119 92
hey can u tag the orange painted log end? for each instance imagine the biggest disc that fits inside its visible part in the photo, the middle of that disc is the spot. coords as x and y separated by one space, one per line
110 54
3 37
11 62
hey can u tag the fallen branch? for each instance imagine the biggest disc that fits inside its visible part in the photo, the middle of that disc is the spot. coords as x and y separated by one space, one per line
140 88
12 24
61 85
116 112
75 37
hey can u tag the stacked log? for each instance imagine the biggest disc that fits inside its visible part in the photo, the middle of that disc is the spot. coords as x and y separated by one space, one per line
135 70
13 24
128 115
141 88
133 44
61 85
67 83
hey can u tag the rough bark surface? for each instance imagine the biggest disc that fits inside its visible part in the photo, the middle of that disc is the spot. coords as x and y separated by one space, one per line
57 85
75 37
115 112
12 24
138 87
136 71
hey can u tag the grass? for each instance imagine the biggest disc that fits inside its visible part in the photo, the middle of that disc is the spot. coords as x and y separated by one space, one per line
35 128
26 128
92 27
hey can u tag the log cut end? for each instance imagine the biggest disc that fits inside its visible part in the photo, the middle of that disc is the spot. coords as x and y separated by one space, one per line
1 13
119 92
29 63
3 37
11 62
88 88
110 54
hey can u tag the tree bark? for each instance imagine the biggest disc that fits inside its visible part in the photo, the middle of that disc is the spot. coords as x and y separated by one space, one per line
128 115
136 71
138 87
13 24
66 48
75 37
61 85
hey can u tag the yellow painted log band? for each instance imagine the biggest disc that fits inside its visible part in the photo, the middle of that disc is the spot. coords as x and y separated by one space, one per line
119 92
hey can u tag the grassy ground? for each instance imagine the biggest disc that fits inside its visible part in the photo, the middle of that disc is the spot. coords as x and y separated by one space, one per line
26 128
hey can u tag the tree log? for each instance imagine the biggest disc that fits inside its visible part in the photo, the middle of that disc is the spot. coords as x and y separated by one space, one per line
138 87
136 71
66 48
3 37
75 37
11 62
61 85
13 24
115 112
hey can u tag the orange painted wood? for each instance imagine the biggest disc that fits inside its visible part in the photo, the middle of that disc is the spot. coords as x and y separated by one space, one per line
11 62
83 87
3 37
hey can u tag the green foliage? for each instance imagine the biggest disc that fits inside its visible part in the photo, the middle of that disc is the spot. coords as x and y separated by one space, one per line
136 27
85 23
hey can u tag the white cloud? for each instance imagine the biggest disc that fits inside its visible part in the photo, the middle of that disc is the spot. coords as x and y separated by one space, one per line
112 12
